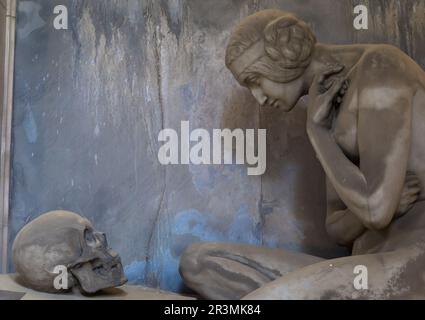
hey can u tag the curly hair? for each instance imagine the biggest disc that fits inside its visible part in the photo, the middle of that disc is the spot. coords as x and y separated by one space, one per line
287 41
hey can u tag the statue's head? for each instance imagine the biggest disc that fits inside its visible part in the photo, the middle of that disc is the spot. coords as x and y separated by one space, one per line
269 53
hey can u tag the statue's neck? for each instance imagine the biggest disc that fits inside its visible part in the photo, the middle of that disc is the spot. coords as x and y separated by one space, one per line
348 55
325 55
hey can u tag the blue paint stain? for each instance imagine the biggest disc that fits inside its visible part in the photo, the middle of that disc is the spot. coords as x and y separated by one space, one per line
187 222
30 127
170 276
243 228
271 241
196 224
205 177
135 272
292 246
275 242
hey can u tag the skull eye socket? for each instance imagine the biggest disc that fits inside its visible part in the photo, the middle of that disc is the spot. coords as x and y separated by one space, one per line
95 239
89 237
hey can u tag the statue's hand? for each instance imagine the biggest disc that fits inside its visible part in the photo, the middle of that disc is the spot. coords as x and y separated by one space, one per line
409 195
324 94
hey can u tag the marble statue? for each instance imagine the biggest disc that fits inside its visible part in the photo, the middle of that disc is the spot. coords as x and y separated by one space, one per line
62 238
366 123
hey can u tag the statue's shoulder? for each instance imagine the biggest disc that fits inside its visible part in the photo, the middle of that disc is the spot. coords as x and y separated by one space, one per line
384 63
383 56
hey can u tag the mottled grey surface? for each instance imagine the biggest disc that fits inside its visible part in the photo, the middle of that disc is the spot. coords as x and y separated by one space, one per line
14 290
2 48
90 102
7 295
3 13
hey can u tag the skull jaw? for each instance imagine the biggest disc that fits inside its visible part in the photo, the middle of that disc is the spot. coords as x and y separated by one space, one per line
91 281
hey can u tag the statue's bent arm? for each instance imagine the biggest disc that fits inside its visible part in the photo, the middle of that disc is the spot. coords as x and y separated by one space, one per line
341 224
372 190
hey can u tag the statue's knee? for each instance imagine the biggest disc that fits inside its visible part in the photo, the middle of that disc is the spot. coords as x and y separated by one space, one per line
191 260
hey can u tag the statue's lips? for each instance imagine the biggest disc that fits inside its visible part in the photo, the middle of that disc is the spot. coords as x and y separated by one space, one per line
275 103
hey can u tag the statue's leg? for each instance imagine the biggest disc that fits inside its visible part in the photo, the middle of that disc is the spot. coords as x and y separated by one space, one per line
392 275
230 271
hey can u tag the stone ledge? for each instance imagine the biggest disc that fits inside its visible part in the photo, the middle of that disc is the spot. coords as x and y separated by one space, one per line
11 290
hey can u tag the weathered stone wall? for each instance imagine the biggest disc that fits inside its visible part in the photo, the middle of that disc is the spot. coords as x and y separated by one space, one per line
2 82
2 46
90 102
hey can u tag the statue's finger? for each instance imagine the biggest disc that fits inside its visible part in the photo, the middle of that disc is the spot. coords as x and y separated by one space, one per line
335 86
332 69
413 183
415 191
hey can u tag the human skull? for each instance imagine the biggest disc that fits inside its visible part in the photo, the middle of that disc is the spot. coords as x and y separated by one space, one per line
63 238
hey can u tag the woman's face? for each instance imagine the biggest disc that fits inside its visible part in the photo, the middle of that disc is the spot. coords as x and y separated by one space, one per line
278 95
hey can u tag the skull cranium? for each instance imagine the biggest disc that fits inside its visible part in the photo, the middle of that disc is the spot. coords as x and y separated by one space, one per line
63 238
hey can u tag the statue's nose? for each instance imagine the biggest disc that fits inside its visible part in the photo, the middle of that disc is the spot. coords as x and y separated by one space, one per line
259 96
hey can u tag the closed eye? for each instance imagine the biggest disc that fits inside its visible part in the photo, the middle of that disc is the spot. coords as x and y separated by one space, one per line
252 80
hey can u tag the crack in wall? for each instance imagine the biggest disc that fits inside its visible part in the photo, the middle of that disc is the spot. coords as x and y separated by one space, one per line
158 68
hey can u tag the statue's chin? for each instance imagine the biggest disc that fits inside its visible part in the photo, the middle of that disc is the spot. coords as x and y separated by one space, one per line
285 108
